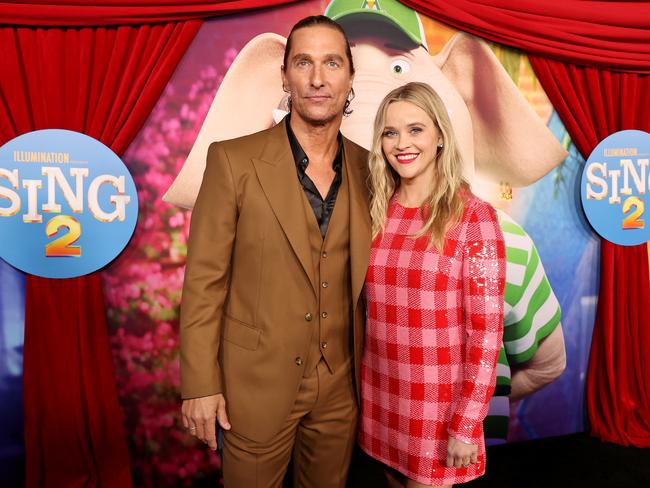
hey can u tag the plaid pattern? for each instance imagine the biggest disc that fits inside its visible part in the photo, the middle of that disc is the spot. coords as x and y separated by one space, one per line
433 333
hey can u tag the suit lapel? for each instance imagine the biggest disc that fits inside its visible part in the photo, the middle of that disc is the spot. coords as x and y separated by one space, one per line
359 220
276 171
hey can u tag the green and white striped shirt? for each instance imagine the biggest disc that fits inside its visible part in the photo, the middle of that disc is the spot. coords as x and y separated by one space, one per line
531 313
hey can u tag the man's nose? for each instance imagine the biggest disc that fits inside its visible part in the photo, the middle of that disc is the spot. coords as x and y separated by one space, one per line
317 76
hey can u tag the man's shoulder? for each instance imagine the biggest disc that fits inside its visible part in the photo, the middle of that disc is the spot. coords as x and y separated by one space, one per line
249 144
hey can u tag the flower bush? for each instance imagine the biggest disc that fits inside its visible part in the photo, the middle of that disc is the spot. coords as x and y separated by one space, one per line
143 292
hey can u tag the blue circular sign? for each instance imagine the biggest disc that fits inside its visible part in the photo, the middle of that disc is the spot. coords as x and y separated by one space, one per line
614 188
68 205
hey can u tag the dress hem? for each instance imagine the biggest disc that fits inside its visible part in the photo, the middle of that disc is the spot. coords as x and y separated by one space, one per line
421 479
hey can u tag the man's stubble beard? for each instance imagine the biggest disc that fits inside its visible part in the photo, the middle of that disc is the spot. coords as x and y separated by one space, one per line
319 122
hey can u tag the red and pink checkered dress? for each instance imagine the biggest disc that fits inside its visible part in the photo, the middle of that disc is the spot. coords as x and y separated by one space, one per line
433 333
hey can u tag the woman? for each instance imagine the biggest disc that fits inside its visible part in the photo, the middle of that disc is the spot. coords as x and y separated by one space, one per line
434 293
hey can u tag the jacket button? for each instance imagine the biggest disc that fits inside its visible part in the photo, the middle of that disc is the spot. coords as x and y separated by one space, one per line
299 361
324 254
308 317
324 315
323 345
325 284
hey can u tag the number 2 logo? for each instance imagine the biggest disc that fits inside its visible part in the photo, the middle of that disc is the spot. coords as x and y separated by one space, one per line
62 246
632 221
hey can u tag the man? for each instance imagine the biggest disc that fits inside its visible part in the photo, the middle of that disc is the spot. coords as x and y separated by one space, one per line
271 317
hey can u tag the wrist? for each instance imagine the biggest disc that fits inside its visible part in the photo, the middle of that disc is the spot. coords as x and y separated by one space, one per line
467 443
462 439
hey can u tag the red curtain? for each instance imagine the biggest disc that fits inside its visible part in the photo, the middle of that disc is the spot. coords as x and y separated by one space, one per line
574 47
103 82
607 34
99 81
592 104
73 427
121 12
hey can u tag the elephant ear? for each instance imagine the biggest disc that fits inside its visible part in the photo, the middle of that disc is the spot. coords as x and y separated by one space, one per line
511 142
245 103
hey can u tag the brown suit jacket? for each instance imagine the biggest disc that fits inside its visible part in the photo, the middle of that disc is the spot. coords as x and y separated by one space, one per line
250 282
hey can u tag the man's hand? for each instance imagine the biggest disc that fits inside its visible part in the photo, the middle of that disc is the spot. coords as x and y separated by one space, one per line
460 454
200 416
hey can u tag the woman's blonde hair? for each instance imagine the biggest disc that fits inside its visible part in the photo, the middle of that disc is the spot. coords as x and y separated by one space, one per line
444 207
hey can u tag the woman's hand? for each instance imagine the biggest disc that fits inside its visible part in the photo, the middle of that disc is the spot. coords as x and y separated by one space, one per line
460 454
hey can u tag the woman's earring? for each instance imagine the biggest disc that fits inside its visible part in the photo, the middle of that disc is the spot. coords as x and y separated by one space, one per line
440 146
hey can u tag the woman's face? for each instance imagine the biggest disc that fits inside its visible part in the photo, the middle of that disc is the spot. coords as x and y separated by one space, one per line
410 142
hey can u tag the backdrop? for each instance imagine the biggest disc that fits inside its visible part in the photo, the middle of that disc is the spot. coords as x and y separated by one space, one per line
143 313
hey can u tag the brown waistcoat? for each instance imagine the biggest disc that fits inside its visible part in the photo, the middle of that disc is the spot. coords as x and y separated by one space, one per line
332 330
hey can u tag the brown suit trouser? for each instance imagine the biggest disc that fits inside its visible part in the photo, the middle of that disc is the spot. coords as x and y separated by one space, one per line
320 432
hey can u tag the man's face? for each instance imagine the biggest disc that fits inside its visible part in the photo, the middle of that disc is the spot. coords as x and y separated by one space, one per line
317 74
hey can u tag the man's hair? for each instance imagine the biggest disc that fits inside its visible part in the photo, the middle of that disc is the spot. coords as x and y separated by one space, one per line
313 21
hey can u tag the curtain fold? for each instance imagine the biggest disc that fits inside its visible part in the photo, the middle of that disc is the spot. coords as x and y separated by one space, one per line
610 34
100 81
103 82
73 426
618 393
593 104
121 12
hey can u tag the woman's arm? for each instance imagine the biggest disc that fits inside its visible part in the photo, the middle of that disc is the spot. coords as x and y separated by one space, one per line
483 286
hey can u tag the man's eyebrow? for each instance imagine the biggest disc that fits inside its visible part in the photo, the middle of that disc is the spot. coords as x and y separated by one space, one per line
309 56
301 55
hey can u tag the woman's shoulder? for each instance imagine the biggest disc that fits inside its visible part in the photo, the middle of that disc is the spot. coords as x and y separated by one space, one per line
477 209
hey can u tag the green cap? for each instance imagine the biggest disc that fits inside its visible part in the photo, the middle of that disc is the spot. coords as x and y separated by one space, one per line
404 18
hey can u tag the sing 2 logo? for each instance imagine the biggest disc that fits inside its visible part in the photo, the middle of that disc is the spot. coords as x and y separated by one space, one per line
615 186
68 205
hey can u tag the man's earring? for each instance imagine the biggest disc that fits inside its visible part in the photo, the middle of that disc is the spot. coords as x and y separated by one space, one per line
346 108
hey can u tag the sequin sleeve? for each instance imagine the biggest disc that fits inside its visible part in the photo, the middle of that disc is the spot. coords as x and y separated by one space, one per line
484 267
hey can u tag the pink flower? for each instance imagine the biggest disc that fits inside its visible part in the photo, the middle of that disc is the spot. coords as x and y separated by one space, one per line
177 219
143 292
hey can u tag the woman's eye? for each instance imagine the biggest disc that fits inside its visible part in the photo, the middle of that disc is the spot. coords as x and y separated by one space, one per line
400 67
389 133
416 130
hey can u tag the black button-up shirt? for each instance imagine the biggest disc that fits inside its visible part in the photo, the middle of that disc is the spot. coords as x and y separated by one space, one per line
322 208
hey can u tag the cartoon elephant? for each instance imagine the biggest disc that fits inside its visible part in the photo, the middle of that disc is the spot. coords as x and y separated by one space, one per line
501 138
